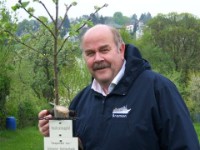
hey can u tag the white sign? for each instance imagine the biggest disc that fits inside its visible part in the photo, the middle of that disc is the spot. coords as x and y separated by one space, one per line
61 137
60 128
60 144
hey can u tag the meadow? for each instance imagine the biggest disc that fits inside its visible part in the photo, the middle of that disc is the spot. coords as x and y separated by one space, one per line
29 138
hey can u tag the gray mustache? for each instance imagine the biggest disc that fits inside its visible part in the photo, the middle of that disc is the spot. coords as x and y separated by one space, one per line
98 66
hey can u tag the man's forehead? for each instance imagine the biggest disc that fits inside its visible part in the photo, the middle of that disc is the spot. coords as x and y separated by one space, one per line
98 48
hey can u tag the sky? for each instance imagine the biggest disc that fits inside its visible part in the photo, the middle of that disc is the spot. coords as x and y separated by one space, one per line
127 7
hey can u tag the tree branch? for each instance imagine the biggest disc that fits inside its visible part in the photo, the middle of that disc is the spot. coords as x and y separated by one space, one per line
37 19
65 16
18 40
47 11
97 10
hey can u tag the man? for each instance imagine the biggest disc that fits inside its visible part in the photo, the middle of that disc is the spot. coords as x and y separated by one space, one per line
127 106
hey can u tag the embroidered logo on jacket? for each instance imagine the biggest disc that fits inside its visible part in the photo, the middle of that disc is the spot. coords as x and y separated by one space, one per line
120 112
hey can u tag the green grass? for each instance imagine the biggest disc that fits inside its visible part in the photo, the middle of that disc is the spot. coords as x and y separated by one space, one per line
21 139
30 139
197 128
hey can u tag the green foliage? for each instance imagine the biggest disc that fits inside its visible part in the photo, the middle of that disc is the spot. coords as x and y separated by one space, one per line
174 40
73 80
15 7
175 77
162 62
27 114
126 36
65 27
4 88
193 88
48 54
197 128
120 19
31 11
178 35
4 92
75 28
43 19
5 81
27 27
169 42
25 4
20 5
159 59
6 23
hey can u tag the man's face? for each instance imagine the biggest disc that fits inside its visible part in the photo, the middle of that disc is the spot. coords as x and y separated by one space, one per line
103 58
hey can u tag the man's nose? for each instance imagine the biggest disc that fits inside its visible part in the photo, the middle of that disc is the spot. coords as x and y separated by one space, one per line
98 57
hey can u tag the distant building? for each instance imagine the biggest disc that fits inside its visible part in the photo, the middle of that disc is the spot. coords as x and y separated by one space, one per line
139 31
130 28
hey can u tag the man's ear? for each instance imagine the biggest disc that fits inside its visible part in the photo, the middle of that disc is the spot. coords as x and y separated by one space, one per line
122 48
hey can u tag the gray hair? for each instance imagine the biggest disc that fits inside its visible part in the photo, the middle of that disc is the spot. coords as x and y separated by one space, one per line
117 37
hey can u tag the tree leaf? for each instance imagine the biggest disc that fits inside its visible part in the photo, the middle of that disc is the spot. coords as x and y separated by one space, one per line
15 7
24 4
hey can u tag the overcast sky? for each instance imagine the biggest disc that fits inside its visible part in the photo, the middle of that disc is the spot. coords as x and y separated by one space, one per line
127 7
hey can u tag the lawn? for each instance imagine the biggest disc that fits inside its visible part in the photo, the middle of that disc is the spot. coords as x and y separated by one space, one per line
30 139
197 128
21 139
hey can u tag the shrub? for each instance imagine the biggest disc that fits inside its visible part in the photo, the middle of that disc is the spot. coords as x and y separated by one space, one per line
26 114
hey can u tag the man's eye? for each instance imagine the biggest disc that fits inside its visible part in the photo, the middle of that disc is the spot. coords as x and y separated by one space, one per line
89 54
104 50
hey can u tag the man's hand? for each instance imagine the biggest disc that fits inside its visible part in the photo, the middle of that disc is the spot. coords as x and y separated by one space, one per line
43 123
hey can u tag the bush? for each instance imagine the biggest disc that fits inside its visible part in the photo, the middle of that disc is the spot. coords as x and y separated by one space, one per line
26 114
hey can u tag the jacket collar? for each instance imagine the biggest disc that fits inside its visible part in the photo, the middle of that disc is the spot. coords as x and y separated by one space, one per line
135 65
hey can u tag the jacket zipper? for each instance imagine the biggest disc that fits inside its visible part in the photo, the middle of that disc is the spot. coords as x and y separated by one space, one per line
103 104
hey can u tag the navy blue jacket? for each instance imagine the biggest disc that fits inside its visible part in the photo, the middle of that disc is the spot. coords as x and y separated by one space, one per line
144 112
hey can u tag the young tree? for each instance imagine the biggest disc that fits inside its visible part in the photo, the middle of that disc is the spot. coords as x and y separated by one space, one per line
54 28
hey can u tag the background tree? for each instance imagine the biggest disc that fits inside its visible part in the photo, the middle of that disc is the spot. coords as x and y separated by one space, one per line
145 17
120 19
126 36
179 36
5 60
66 26
194 91
134 18
25 26
171 43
